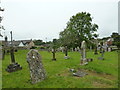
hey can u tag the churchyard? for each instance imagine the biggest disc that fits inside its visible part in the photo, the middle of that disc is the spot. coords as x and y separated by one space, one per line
79 58
100 73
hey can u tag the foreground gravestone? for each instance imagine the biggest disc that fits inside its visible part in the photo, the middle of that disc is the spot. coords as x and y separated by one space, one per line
37 72
83 53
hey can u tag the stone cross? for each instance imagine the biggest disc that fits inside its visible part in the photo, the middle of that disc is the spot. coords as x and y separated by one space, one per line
14 66
37 72
83 53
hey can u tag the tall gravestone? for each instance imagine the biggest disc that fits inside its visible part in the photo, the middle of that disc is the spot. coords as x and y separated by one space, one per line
83 53
53 51
95 50
14 66
109 49
102 54
66 53
37 72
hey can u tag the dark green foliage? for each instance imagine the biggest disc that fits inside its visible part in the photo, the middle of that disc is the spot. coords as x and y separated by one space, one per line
55 43
78 28
39 42
33 47
42 47
116 38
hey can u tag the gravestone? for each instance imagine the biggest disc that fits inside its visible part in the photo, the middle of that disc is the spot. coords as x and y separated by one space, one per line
14 66
37 72
66 53
78 49
83 53
95 50
78 73
102 54
105 46
100 49
90 48
53 51
109 49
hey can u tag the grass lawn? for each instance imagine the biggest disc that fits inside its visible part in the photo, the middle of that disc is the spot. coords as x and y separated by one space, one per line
101 74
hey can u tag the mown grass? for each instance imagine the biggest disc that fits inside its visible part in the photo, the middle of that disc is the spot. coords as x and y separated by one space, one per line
101 74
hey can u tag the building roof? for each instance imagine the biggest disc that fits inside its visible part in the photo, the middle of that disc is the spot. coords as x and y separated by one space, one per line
16 43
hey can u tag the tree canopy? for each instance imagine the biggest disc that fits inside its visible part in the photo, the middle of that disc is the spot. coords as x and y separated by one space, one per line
78 28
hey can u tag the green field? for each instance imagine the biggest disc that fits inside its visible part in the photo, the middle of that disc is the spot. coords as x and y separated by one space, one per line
101 74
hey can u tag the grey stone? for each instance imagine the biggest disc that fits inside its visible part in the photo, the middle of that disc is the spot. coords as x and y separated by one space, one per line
13 67
80 74
83 53
72 70
102 54
37 72
109 49
66 57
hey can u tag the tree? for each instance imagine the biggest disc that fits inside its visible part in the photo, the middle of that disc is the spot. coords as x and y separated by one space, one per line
78 28
116 38
39 42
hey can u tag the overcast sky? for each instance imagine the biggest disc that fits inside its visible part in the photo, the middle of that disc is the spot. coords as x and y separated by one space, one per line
40 19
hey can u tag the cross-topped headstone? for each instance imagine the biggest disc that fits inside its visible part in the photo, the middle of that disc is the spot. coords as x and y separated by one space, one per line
37 72
14 66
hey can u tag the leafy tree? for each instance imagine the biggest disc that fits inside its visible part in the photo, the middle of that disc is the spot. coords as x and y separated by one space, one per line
78 28
39 42
116 38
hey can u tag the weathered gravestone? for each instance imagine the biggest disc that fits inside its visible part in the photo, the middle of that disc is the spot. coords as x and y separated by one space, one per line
37 72
95 50
14 66
109 49
66 53
53 51
102 55
105 46
83 53
78 73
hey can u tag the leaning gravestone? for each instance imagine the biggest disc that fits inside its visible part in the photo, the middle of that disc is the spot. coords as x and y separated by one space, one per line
37 72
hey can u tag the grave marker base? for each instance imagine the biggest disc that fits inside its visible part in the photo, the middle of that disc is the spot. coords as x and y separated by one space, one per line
13 67
54 59
66 57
